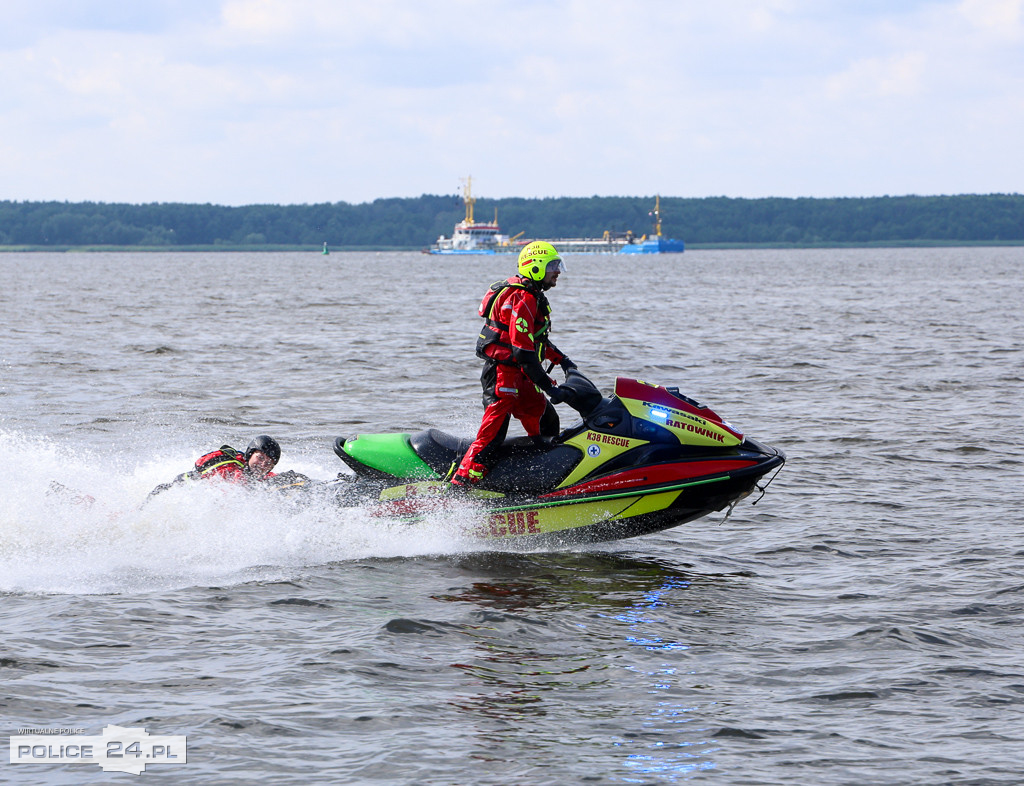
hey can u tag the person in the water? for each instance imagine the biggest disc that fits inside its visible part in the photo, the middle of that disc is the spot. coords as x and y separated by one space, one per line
233 466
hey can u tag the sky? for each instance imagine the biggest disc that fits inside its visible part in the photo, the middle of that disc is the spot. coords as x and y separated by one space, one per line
238 102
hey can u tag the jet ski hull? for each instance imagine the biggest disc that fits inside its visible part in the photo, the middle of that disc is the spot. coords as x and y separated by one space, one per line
617 506
644 460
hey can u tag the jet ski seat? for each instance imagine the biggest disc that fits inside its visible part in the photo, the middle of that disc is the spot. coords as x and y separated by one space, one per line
531 466
439 448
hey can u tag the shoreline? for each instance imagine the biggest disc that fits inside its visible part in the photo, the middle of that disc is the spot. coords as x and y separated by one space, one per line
273 248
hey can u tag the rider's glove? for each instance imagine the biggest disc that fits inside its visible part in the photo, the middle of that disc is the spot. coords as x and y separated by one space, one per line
558 395
567 364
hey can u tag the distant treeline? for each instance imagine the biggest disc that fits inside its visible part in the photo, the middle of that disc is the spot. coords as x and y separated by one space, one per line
417 222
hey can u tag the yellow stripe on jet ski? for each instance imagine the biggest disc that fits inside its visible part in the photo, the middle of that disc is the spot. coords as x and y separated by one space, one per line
649 503
597 449
534 521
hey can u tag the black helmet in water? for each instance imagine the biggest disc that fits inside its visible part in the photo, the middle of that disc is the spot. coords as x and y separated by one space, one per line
266 445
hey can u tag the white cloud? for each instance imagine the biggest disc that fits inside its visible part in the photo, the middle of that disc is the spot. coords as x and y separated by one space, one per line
1000 18
323 100
895 76
267 18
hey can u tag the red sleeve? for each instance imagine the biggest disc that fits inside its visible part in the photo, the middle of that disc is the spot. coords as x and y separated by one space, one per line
522 320
553 353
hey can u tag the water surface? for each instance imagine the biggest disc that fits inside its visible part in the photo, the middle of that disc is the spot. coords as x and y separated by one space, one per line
859 625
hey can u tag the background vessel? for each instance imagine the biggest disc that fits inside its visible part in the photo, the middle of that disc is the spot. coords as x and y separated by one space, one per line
481 237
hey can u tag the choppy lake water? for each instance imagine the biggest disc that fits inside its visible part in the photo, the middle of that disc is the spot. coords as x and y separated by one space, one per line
860 625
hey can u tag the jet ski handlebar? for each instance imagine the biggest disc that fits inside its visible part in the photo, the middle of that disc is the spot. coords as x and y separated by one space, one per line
586 397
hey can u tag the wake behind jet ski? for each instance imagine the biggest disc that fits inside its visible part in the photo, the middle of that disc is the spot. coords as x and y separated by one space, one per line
642 460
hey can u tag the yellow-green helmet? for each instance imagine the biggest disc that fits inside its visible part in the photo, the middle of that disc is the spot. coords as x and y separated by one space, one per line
537 258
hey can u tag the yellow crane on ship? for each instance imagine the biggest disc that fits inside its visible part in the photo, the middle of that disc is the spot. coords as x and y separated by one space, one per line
467 196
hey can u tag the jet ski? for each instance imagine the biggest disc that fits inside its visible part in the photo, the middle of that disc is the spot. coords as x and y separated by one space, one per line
644 459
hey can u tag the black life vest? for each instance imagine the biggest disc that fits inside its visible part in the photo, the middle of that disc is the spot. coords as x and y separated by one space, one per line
496 332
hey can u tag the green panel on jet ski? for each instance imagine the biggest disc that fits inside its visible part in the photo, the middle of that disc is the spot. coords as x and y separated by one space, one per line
390 453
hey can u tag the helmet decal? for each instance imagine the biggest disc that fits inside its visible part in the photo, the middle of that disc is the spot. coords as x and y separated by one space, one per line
536 258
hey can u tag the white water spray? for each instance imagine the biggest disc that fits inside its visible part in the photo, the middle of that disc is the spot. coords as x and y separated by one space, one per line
72 521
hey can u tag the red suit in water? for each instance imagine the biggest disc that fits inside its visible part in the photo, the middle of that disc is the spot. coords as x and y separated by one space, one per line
513 343
225 464
233 465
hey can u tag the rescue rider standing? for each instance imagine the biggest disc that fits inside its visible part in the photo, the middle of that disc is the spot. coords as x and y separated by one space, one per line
514 342
234 466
